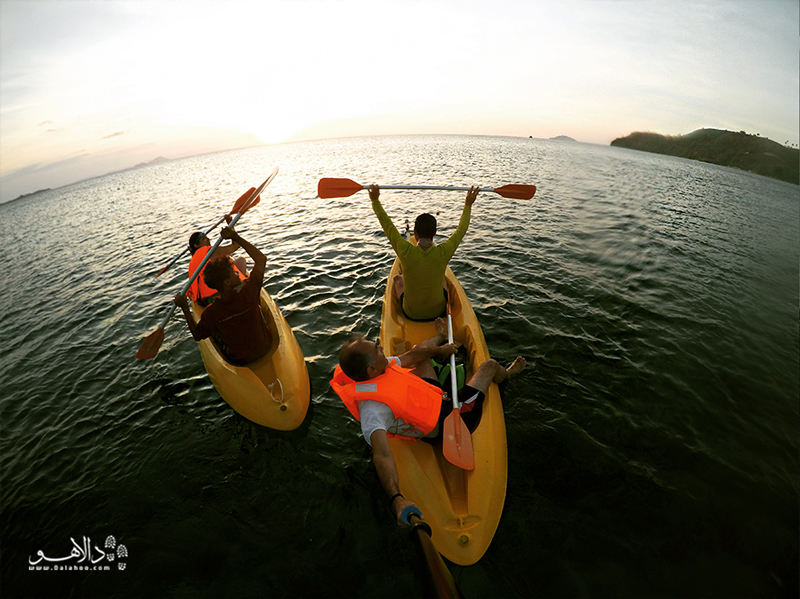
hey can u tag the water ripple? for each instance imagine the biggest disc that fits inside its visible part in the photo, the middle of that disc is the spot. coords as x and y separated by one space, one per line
657 310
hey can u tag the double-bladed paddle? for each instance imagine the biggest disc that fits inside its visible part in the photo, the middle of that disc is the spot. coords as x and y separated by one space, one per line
152 343
342 188
237 207
456 438
439 580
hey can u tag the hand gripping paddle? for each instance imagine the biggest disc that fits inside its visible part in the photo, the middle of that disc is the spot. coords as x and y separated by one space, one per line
237 207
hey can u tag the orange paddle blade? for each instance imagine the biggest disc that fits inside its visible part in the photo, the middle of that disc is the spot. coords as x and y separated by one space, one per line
516 192
457 442
240 202
151 345
337 188
254 204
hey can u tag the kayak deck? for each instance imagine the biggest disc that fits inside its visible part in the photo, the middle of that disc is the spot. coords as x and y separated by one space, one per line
273 391
463 508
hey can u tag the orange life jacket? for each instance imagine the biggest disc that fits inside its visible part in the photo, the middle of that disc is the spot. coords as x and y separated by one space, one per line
418 403
198 289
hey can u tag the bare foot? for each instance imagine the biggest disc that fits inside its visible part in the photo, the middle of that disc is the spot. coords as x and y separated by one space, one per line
441 328
516 366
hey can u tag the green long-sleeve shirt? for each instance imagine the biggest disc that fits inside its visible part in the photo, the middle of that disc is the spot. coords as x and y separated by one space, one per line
423 269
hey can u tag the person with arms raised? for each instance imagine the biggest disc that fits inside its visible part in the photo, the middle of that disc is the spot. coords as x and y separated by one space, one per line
420 288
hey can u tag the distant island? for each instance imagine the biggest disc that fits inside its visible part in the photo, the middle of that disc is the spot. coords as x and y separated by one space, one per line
726 148
27 195
159 160
556 138
154 161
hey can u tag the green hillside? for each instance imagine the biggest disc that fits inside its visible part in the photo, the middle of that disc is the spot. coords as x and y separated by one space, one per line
726 148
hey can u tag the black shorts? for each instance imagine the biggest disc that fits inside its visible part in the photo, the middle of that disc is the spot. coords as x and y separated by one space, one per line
471 408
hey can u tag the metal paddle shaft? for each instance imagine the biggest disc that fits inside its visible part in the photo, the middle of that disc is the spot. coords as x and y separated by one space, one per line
522 192
329 187
151 344
453 377
456 438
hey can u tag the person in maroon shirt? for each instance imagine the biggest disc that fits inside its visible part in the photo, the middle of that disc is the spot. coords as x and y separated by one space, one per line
234 318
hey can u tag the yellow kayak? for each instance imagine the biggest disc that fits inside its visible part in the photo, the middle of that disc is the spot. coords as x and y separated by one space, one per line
273 391
462 507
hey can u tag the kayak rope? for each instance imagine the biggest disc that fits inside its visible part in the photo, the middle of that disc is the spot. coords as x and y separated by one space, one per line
271 388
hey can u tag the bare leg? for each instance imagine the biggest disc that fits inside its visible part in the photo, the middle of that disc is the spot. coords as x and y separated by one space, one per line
440 336
398 286
425 370
491 371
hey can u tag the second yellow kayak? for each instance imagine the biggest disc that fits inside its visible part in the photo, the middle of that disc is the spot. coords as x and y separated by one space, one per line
273 391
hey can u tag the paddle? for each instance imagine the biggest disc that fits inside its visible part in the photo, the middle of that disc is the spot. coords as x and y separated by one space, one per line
236 208
152 343
439 580
342 188
456 439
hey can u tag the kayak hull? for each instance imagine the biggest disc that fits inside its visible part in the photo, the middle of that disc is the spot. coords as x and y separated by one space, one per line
273 391
463 508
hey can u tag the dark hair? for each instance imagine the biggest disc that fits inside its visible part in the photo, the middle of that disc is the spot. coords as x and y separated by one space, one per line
194 240
354 361
216 272
425 226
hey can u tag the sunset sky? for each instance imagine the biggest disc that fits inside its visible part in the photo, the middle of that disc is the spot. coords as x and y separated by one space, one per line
90 87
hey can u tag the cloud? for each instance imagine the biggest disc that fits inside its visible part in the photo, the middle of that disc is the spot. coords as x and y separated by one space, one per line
118 133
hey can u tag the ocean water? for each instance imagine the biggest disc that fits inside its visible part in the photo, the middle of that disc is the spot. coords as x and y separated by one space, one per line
653 438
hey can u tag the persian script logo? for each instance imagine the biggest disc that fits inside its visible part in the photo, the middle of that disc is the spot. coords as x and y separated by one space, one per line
83 557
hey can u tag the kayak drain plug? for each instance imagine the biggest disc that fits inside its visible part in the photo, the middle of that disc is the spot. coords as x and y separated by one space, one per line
283 408
464 539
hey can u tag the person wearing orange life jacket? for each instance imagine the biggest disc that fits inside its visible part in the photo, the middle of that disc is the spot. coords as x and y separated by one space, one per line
401 396
199 245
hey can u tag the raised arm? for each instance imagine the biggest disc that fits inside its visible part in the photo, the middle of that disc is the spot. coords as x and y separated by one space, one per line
227 250
258 257
463 224
181 301
386 468
391 232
